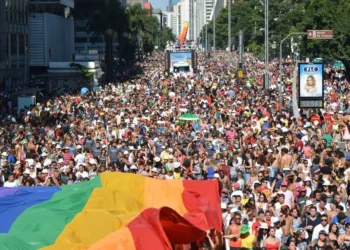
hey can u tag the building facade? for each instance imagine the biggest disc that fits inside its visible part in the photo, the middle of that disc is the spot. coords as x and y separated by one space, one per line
171 4
142 2
13 42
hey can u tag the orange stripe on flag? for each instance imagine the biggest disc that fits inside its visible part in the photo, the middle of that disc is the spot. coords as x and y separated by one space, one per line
121 239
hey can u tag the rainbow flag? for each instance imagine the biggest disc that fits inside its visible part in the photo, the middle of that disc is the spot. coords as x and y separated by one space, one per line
183 34
112 211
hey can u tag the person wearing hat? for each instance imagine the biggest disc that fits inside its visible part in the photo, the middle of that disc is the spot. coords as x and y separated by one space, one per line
302 198
288 195
262 235
247 238
27 180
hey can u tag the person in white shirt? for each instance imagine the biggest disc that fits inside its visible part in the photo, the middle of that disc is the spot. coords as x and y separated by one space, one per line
82 173
11 182
323 226
80 157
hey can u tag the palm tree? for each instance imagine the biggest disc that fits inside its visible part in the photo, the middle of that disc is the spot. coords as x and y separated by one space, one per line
110 22
142 26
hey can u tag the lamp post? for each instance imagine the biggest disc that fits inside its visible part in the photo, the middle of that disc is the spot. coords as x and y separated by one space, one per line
280 73
229 33
266 85
214 24
206 36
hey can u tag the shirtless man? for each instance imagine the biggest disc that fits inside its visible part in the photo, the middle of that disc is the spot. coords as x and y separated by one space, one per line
286 225
226 182
333 212
286 160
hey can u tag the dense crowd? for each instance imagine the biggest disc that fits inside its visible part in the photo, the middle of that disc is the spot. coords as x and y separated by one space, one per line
283 179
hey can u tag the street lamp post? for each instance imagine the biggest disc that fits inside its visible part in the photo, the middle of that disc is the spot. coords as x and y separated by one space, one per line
266 85
206 36
281 72
229 32
214 24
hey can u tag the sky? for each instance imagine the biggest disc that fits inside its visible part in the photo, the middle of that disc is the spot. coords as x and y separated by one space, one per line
159 4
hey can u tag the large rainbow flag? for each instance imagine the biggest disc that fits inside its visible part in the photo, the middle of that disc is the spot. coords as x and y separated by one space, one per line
112 211
182 36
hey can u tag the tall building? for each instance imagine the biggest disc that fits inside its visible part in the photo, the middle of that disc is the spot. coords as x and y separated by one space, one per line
51 33
171 5
205 10
83 38
13 41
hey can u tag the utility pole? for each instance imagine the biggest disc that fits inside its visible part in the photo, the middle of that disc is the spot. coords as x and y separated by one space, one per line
281 69
214 37
229 32
241 50
266 77
206 36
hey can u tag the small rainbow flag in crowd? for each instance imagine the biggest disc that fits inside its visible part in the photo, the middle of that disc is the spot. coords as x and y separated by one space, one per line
112 211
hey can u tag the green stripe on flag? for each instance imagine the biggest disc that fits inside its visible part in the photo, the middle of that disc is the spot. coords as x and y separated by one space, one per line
41 224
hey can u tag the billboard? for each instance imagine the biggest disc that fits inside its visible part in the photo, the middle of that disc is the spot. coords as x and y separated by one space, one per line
310 85
180 57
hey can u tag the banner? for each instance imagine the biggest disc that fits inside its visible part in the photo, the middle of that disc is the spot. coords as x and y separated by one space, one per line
310 85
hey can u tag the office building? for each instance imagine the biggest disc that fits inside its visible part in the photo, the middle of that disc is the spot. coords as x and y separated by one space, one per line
13 42
51 33
171 4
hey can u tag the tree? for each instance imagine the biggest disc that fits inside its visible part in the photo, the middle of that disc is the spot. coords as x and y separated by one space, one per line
143 26
289 16
109 21
166 35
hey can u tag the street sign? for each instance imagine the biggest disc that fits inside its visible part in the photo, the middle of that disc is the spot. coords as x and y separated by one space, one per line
240 73
320 34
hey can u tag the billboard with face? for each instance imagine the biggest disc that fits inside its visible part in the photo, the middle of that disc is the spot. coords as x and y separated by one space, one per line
310 85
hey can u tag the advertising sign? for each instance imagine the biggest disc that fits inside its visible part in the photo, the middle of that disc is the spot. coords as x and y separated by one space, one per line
310 85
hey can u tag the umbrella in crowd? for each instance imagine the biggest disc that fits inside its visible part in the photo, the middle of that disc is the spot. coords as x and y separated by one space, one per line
188 117
282 177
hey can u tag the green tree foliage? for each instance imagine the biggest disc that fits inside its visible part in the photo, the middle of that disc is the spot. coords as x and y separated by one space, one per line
285 17
109 21
128 26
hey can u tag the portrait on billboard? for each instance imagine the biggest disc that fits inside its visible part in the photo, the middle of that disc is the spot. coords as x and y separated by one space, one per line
310 80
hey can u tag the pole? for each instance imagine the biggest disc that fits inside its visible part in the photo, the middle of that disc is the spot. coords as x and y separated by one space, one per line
294 91
214 36
229 33
266 85
241 50
281 69
206 36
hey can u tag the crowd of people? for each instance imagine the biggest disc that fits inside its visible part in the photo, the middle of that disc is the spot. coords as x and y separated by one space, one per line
284 179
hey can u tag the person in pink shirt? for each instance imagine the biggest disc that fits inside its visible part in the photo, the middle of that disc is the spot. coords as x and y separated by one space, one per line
307 150
288 195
